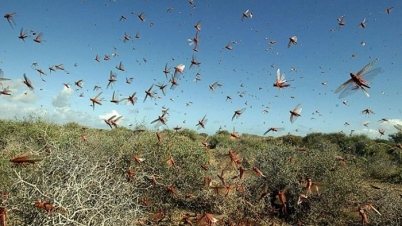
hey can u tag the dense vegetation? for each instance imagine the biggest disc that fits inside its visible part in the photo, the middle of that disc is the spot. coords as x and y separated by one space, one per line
128 177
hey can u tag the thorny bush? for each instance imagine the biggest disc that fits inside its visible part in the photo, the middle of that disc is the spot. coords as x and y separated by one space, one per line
90 177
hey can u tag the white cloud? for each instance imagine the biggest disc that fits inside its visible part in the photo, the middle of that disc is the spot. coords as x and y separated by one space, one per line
24 97
63 99
65 115
373 132
389 126
14 84
395 121
19 111
110 114
57 115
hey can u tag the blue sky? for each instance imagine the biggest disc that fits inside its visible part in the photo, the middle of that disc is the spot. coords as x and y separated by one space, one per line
74 32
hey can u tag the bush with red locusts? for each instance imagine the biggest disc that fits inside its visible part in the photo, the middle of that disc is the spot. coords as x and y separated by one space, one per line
128 177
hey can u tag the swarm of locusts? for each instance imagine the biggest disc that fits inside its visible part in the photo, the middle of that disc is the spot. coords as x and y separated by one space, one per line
224 179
